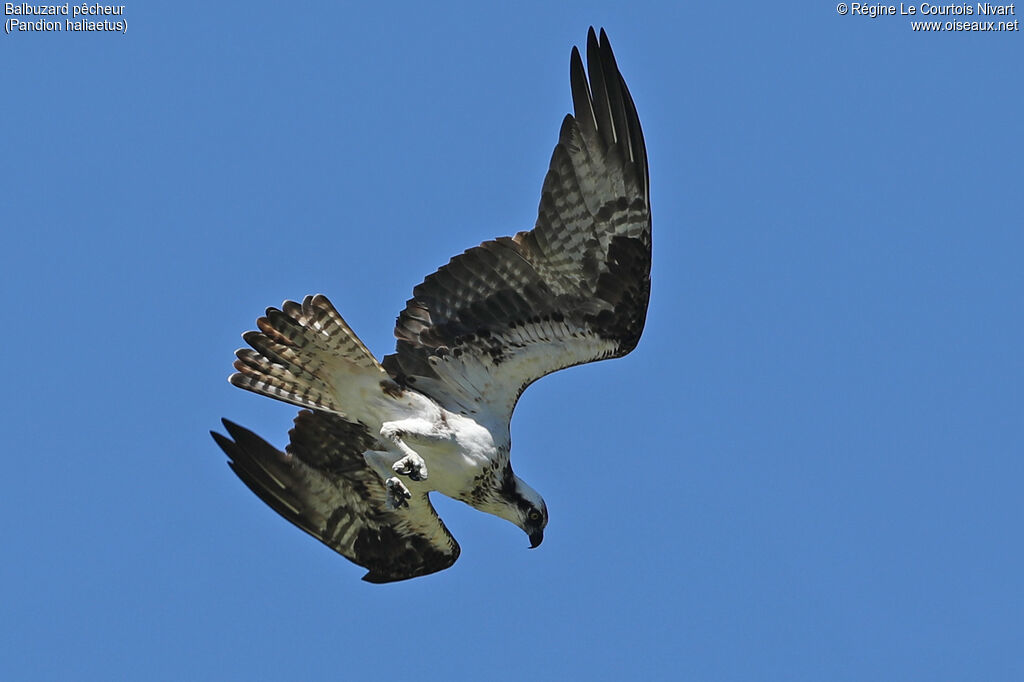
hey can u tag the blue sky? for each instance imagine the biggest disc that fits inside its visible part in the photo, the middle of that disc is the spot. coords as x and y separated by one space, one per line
809 469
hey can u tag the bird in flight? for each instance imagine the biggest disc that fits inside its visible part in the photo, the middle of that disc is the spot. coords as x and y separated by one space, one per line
375 438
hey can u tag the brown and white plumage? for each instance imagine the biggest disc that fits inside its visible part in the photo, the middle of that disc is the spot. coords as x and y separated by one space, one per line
574 289
322 485
475 334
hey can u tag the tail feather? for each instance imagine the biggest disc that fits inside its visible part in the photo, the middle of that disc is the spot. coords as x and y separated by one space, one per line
289 383
301 355
272 350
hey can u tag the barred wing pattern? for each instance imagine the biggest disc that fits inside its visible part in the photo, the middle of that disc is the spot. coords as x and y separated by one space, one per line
323 485
573 290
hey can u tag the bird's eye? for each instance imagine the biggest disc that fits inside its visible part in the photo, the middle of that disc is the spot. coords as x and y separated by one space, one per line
534 515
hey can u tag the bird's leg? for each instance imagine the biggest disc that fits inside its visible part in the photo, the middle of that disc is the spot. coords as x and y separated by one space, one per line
411 464
398 494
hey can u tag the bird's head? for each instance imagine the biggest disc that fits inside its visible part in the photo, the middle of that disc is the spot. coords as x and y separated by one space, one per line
517 502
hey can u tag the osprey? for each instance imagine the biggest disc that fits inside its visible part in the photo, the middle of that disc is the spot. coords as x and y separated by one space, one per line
377 437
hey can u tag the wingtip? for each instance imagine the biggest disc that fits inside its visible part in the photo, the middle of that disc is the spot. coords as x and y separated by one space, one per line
237 432
576 64
592 43
375 578
608 54
224 443
229 426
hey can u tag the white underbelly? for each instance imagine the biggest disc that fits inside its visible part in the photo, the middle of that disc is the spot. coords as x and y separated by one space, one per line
451 470
457 450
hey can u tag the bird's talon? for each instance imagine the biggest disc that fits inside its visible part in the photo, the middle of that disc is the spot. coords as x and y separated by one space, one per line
398 494
412 466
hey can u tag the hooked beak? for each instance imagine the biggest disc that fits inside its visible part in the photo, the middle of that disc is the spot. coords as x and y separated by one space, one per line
536 538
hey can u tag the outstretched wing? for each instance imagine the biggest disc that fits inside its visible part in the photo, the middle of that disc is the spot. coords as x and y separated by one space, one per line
573 290
323 485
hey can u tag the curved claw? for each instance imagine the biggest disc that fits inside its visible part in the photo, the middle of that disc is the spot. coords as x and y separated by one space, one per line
413 466
398 494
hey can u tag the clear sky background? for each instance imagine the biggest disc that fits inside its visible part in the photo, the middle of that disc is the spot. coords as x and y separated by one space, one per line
810 468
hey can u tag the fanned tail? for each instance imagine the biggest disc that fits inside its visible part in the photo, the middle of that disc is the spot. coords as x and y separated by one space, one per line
302 355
